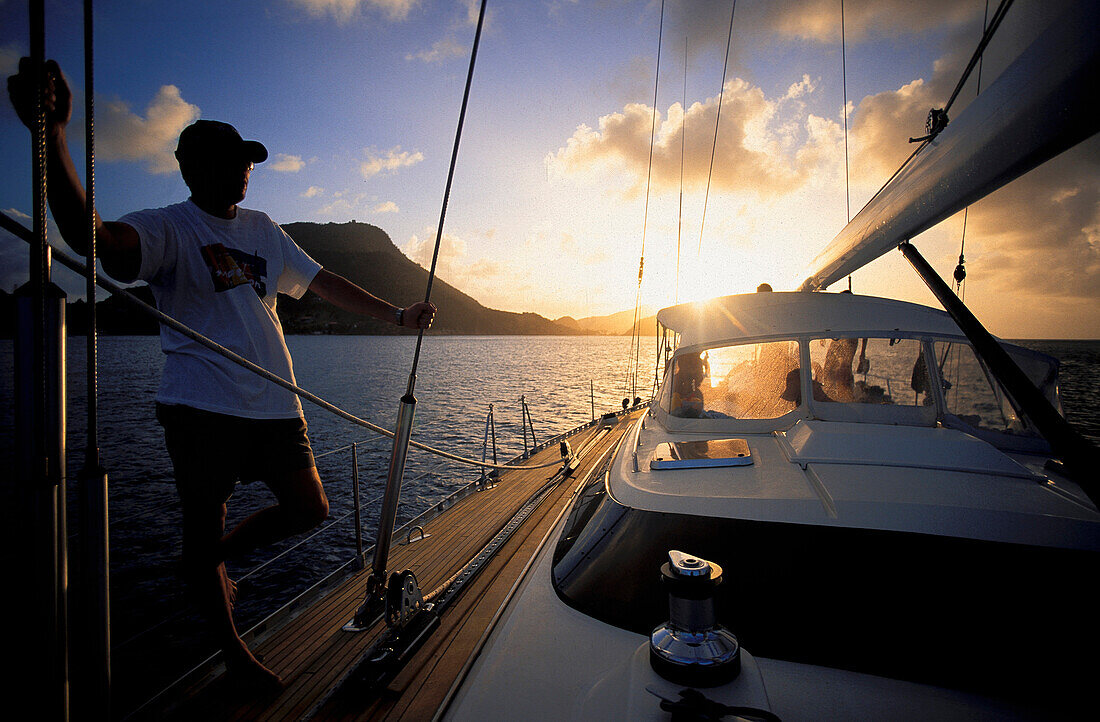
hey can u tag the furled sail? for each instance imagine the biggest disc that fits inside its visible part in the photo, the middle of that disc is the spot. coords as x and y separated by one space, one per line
1041 105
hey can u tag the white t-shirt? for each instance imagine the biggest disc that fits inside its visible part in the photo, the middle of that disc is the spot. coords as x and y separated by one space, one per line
220 277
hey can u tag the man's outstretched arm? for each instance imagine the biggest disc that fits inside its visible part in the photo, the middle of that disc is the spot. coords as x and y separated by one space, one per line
117 244
342 293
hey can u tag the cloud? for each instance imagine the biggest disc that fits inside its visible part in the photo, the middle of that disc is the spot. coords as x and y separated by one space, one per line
441 50
344 10
473 9
767 146
452 251
820 19
390 161
801 88
347 204
13 253
1040 235
814 20
124 135
753 149
450 47
287 163
9 59
343 204
481 278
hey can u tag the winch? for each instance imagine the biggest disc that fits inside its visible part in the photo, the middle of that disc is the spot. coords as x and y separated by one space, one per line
692 648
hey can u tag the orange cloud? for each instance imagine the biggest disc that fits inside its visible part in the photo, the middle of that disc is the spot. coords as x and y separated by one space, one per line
753 150
814 20
1041 234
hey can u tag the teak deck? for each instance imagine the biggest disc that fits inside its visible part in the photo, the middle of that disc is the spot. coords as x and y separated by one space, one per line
314 655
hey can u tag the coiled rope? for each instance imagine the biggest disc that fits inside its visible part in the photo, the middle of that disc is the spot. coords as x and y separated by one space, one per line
79 266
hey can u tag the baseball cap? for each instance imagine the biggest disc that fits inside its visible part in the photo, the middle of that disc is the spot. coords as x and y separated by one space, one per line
215 139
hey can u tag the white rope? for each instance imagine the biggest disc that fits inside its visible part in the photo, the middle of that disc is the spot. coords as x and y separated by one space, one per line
175 325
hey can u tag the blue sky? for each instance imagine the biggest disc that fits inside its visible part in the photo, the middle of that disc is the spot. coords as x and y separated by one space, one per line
357 101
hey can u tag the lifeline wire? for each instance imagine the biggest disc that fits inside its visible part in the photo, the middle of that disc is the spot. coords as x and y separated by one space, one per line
18 230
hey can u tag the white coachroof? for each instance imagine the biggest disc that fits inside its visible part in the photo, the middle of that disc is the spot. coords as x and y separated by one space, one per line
762 315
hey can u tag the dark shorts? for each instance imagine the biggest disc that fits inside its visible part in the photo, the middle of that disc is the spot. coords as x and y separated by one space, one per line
211 452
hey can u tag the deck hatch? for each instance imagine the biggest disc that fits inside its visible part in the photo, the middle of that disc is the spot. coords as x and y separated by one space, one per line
701 454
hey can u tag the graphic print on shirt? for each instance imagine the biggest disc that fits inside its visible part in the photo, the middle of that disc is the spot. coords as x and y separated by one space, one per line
230 268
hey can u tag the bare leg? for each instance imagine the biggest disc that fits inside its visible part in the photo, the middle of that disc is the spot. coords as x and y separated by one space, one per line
203 523
301 506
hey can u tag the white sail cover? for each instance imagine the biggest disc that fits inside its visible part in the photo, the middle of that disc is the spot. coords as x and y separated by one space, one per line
1040 106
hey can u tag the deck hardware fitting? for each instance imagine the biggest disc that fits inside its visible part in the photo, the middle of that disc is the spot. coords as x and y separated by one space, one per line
410 540
692 648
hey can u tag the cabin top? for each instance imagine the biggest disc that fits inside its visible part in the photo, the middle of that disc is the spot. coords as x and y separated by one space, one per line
761 315
761 362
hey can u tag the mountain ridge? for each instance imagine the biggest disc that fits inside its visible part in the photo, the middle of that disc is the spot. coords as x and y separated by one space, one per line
364 254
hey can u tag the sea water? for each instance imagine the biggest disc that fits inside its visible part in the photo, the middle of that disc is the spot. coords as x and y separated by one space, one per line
563 380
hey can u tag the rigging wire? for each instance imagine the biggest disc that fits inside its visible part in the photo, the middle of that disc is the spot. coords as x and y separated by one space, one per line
635 336
91 458
447 191
844 85
938 118
960 270
683 137
717 120
976 58
94 522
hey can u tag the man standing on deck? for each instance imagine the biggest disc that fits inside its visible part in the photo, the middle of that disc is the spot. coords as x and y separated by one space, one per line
216 267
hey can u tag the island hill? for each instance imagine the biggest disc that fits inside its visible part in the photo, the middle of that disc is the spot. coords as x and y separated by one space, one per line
364 254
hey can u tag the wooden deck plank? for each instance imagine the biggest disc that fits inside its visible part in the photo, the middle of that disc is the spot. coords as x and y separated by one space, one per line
312 652
428 677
